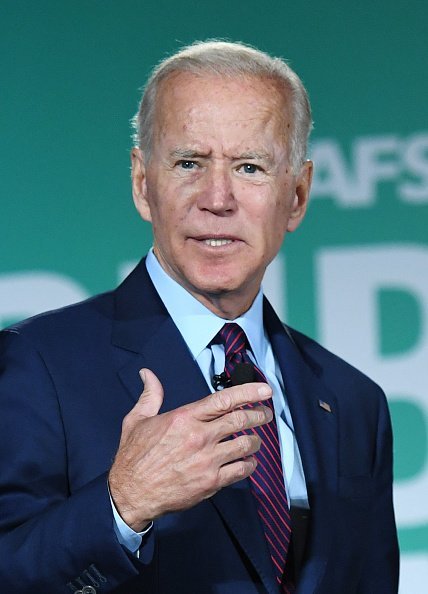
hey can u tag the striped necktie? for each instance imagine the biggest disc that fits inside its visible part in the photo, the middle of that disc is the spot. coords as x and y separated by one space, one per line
267 481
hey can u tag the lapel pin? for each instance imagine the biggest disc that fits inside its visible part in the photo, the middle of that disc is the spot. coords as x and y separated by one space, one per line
324 405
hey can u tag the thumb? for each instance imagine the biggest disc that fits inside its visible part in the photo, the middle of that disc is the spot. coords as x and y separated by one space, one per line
151 398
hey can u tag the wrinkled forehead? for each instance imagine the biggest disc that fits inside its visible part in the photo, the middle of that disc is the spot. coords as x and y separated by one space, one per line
185 96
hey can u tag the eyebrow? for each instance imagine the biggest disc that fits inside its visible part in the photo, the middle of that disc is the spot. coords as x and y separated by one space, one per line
266 158
262 156
179 153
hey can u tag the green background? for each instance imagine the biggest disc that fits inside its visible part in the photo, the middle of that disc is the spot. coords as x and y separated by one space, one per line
69 79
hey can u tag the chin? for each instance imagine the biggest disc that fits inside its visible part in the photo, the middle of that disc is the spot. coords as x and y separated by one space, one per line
221 278
215 279
223 285
213 288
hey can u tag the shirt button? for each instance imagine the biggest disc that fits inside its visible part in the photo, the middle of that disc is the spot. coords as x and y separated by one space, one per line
89 590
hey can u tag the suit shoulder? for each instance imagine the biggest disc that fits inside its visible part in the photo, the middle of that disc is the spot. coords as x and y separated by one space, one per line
82 317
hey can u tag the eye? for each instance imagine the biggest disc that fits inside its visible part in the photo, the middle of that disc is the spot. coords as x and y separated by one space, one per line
249 168
184 164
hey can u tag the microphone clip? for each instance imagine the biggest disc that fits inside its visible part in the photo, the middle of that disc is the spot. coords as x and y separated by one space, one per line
221 381
242 373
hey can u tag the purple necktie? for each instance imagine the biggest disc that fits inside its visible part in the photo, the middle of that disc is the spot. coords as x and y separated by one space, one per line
267 481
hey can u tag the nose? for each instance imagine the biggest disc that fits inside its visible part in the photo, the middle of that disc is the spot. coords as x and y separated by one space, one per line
217 194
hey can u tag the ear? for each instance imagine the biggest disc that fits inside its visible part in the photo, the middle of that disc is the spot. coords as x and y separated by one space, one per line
301 196
139 184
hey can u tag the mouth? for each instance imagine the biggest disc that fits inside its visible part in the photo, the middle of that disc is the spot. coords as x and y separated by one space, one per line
217 242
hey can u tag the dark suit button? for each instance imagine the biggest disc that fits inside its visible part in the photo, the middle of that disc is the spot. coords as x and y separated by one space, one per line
89 590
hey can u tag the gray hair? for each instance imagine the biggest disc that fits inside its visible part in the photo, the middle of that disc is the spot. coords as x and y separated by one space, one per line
228 60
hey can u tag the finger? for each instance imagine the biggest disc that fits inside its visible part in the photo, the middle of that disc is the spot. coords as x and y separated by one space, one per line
222 402
238 448
236 471
240 420
151 399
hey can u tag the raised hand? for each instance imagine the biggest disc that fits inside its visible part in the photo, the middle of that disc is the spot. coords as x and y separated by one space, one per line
172 461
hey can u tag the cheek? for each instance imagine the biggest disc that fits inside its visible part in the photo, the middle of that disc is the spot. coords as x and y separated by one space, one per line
277 227
172 203
169 225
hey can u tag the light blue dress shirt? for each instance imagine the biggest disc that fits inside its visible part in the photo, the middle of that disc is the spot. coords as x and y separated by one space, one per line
198 326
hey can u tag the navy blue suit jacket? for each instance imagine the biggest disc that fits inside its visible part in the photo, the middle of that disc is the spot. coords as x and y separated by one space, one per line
67 379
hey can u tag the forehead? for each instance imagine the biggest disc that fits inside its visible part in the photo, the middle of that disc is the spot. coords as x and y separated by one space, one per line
196 104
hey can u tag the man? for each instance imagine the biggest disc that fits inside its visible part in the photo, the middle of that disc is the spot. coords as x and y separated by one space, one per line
202 488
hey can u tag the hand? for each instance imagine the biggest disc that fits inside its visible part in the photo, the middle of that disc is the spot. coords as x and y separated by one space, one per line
172 461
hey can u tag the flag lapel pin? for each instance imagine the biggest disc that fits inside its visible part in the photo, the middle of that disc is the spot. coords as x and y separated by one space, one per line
324 405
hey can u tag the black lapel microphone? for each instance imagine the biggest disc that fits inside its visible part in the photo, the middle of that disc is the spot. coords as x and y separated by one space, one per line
243 373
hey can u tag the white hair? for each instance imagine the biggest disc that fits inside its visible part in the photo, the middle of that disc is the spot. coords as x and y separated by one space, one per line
229 60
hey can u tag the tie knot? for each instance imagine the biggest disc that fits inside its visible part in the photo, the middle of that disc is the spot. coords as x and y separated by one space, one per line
239 368
233 338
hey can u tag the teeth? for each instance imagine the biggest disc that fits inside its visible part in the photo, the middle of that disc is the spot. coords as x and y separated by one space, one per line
217 242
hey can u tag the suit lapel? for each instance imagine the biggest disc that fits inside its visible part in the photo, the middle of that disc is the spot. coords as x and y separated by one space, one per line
147 337
316 433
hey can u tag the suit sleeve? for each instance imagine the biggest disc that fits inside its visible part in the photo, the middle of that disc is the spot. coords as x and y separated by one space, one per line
51 539
381 563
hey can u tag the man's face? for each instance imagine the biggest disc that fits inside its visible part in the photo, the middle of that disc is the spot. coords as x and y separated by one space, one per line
218 188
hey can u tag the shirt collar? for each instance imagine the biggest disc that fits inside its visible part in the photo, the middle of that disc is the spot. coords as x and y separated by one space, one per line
196 323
